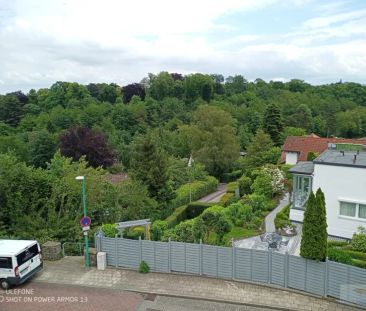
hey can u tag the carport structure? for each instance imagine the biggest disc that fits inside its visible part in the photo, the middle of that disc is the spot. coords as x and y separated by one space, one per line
135 223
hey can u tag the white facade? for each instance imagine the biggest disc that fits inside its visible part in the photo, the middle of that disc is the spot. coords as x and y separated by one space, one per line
291 157
341 184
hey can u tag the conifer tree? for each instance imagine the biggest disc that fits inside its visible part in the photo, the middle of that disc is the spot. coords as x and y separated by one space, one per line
314 231
273 123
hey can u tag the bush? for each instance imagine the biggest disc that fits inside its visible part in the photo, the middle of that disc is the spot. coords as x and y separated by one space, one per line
256 201
355 254
282 218
134 233
144 267
239 213
198 188
158 228
234 175
358 242
338 255
195 209
262 185
183 232
110 230
226 198
244 185
337 243
359 263
232 186
256 223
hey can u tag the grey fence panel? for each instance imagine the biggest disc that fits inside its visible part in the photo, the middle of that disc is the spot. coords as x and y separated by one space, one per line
178 256
357 285
260 266
128 253
193 258
148 253
209 260
278 269
161 256
315 277
296 272
242 269
337 276
108 246
225 262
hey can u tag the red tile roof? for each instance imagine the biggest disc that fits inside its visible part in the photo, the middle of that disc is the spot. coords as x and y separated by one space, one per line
305 144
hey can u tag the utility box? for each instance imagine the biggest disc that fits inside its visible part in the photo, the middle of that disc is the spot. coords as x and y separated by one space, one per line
101 261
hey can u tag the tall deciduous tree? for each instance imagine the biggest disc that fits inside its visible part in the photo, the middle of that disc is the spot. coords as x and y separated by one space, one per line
212 139
83 141
11 109
42 147
131 90
314 231
272 123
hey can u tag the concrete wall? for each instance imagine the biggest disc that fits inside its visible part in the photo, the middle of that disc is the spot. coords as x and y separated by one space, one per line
296 215
341 183
291 157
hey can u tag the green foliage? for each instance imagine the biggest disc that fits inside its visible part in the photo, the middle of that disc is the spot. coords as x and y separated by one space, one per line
262 185
109 230
358 242
314 232
158 228
239 213
282 219
144 267
312 155
179 214
245 184
337 243
42 147
183 232
339 255
226 198
232 186
272 123
232 176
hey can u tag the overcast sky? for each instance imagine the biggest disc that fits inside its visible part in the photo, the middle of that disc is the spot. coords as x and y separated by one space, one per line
42 42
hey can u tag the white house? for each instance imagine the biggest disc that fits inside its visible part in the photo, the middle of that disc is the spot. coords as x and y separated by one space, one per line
342 177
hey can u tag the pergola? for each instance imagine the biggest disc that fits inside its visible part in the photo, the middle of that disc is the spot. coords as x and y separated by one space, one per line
135 223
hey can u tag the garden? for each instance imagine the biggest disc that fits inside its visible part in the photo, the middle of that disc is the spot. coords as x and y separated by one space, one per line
239 214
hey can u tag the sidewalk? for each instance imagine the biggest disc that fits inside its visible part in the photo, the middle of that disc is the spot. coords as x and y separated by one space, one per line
71 270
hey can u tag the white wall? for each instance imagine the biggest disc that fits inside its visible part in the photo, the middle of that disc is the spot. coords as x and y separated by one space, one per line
340 183
296 215
291 157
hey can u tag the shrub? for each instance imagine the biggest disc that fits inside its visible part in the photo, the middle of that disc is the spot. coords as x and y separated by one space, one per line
358 242
282 218
182 232
337 243
338 255
232 186
256 201
244 185
359 263
225 198
178 215
262 185
256 223
134 233
239 213
355 254
144 267
195 209
234 175
158 228
110 230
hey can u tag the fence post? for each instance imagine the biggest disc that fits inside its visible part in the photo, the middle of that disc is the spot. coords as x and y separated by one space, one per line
326 277
233 259
286 269
140 245
169 257
217 261
201 256
115 252
251 264
270 266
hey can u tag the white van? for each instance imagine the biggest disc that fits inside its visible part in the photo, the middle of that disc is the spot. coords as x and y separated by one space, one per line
19 261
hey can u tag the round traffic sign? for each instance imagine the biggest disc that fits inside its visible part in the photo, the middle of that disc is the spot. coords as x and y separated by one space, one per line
85 221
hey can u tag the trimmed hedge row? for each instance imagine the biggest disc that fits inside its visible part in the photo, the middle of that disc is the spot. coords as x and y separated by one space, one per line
232 186
199 189
184 212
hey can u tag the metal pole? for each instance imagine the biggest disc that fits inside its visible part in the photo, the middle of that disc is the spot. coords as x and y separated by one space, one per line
87 259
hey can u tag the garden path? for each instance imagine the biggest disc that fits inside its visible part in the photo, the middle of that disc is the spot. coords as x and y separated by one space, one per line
215 197
270 226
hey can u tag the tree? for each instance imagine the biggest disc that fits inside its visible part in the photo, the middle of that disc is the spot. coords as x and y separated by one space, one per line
131 90
161 86
42 147
272 123
314 230
211 137
303 117
149 165
83 141
11 109
198 86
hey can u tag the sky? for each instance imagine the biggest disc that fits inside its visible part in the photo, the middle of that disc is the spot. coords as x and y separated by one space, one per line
44 41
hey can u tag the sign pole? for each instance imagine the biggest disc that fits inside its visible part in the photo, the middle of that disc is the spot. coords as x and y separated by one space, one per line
87 259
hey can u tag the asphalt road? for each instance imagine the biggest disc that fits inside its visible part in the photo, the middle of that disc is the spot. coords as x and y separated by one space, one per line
34 296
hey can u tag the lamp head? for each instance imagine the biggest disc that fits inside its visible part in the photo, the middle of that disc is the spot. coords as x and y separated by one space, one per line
80 177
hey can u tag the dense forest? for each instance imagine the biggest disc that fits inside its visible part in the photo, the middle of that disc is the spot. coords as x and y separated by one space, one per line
149 130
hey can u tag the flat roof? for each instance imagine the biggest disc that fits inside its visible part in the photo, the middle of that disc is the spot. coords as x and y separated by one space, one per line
302 167
342 158
13 247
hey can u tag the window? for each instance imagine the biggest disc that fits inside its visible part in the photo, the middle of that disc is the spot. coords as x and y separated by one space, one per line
5 263
348 209
302 188
362 211
27 254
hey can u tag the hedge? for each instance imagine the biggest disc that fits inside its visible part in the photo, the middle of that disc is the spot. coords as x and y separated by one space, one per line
199 189
232 186
226 198
184 212
228 177
337 243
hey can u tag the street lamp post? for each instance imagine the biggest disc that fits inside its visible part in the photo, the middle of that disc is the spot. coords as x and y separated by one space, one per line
87 259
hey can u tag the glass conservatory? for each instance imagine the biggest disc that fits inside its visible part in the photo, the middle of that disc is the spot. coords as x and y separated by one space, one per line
301 190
